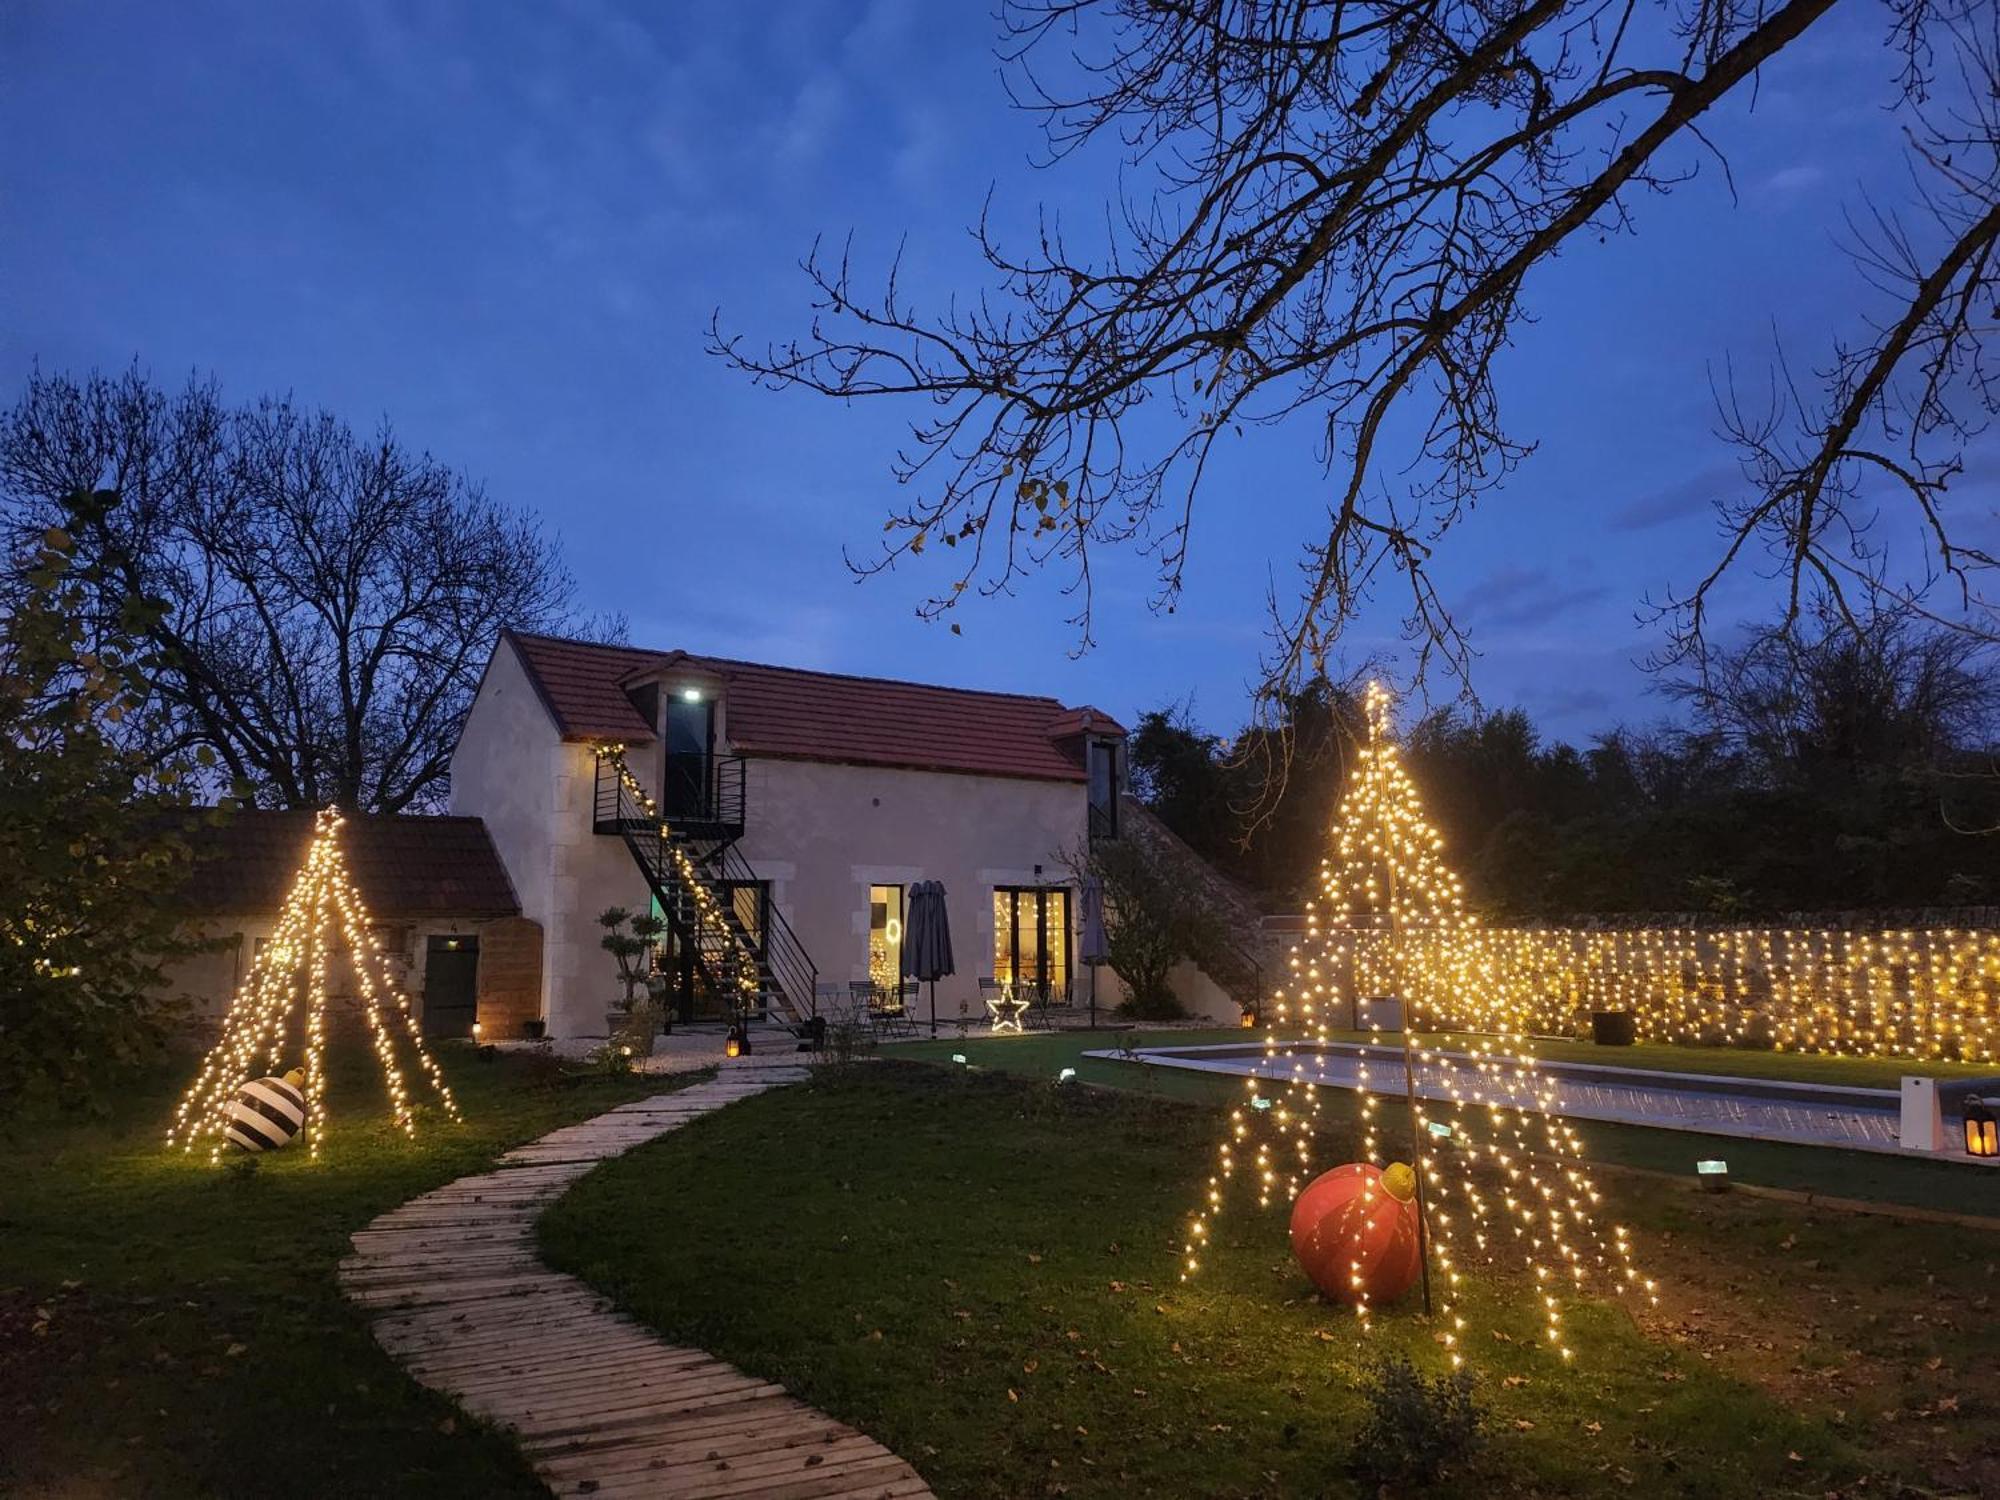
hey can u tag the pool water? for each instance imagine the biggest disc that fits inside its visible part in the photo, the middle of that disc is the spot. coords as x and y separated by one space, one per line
1752 1108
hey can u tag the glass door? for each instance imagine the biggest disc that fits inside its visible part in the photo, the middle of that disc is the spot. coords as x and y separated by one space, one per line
690 743
1031 939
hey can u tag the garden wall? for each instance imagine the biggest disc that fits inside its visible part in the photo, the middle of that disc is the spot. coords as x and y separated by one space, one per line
1919 992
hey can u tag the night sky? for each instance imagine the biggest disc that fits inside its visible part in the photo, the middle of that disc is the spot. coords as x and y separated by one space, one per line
505 227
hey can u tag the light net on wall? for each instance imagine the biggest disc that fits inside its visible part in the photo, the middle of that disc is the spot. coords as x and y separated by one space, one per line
1922 993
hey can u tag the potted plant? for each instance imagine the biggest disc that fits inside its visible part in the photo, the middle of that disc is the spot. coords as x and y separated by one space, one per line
629 940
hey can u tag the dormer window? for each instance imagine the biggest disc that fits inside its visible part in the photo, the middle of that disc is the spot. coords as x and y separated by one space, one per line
1102 765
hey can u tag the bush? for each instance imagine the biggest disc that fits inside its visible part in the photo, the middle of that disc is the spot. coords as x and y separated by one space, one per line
1416 1428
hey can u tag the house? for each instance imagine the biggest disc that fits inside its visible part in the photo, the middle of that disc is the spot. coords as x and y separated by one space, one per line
436 892
777 819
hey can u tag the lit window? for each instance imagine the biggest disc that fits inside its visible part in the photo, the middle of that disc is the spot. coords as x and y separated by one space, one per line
1031 938
885 934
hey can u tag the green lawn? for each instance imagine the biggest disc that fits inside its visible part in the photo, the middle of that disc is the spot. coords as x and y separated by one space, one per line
171 1329
981 1270
1953 1186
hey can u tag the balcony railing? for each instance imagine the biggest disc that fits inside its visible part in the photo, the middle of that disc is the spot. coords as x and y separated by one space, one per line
702 797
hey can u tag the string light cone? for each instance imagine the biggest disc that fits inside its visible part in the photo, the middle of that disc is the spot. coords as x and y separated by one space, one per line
282 1006
1499 1175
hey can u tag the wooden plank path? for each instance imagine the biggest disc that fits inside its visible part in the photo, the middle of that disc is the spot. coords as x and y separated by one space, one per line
600 1405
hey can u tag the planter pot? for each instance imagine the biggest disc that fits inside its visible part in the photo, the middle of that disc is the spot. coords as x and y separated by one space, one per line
616 1021
534 1031
640 1036
1613 1028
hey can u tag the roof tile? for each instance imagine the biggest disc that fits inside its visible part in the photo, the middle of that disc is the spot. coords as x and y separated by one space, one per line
403 867
788 713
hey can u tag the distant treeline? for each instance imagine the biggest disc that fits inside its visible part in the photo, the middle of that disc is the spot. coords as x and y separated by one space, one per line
1850 772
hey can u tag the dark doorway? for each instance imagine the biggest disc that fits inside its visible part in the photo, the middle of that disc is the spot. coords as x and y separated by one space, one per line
451 986
690 743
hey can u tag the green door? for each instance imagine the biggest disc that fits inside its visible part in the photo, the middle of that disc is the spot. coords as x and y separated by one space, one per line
451 986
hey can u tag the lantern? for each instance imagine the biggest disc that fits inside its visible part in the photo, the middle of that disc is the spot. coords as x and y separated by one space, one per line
1712 1175
1982 1127
737 1043
1355 1232
1249 1020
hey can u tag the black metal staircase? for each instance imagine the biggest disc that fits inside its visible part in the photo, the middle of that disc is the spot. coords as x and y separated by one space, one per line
755 965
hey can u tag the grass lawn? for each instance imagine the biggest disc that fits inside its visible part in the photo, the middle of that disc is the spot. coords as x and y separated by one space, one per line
981 1270
1953 1186
171 1329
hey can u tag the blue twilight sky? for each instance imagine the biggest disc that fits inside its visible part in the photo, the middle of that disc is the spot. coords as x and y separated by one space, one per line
504 225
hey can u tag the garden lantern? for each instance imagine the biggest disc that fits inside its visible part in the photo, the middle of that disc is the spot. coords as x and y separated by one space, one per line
1982 1127
737 1043
1713 1176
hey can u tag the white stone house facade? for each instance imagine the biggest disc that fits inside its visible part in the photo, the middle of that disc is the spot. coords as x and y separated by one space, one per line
807 803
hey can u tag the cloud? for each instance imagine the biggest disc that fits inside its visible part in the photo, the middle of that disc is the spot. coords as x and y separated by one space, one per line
1789 181
1568 702
815 110
1679 501
1524 596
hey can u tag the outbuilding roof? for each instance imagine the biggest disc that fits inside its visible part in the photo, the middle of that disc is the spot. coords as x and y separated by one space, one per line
404 867
791 714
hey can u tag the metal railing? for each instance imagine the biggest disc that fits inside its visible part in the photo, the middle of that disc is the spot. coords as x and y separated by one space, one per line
691 874
786 965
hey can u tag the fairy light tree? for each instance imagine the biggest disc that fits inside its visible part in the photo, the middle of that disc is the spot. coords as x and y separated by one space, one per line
282 1005
1498 1170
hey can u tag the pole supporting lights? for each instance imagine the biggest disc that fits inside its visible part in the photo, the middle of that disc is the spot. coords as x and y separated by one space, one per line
1497 1173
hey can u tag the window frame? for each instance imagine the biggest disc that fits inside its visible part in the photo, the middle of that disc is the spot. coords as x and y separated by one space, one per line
1054 984
900 915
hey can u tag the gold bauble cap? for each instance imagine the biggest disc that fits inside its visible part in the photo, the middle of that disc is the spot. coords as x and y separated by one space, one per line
1399 1181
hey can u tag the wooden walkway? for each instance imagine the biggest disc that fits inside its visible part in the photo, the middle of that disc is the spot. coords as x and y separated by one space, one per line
599 1404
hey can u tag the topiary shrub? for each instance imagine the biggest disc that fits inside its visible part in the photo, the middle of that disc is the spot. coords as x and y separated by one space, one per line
1417 1428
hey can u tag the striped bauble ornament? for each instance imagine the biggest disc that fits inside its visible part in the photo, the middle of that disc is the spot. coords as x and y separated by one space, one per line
267 1113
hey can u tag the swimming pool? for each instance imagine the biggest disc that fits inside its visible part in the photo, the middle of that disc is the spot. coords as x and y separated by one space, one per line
1807 1114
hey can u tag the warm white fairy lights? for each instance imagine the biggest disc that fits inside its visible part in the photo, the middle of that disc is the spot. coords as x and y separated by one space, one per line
290 974
1500 1177
1926 994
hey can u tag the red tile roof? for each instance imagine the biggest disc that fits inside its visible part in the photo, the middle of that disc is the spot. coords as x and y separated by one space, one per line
786 713
580 683
403 867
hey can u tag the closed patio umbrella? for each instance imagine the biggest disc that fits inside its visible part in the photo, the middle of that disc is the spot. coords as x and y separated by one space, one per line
1091 946
927 939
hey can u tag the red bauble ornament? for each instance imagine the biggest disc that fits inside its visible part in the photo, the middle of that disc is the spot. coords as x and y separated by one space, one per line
1355 1232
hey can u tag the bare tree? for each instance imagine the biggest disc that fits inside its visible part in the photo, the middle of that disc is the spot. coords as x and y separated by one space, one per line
321 604
1840 695
1894 409
1330 211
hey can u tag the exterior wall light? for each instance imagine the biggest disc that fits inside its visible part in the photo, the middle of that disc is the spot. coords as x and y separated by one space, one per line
690 695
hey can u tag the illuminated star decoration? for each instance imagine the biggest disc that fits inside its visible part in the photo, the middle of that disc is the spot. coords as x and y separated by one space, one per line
1005 1010
1500 1175
289 973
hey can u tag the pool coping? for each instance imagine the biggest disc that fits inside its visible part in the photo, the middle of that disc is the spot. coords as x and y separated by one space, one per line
1192 1059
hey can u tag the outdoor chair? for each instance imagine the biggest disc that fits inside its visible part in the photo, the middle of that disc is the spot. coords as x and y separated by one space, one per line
882 1007
1036 1017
